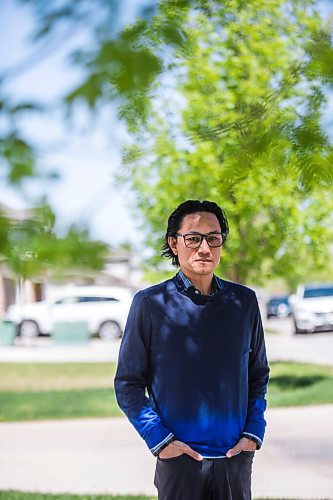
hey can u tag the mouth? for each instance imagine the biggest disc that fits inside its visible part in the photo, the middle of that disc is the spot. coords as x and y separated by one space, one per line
203 260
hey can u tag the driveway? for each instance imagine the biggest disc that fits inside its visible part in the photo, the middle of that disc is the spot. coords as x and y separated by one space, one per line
107 456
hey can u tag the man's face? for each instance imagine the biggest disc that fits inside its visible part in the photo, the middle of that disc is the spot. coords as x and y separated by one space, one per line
202 260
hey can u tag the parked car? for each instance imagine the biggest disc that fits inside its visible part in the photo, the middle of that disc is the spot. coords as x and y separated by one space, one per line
312 307
104 309
278 306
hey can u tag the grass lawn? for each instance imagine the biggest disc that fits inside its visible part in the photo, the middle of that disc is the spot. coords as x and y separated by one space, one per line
22 377
34 391
298 384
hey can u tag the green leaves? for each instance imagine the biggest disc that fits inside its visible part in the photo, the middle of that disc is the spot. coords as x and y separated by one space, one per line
224 101
17 157
125 67
320 51
31 249
248 136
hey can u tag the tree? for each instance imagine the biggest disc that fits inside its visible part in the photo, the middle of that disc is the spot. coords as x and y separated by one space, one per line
244 129
122 62
31 249
227 99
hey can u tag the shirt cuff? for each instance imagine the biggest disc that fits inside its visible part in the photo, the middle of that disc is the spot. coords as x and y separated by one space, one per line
163 444
253 438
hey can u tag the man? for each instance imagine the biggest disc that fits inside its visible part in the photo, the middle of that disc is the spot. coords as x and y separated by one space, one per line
195 343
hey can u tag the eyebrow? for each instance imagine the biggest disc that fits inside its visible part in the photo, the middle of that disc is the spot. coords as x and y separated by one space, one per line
197 232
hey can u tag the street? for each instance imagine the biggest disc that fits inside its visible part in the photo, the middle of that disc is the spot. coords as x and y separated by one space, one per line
282 345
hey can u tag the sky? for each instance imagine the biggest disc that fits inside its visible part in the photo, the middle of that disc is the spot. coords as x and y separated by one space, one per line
86 158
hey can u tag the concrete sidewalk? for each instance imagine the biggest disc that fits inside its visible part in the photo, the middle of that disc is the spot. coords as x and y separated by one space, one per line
107 456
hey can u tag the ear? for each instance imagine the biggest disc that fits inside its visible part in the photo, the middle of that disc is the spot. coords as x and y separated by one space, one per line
172 240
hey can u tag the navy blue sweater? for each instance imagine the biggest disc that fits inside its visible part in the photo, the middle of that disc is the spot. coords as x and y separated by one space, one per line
194 367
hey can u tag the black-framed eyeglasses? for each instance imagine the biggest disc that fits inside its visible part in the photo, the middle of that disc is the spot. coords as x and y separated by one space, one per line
194 240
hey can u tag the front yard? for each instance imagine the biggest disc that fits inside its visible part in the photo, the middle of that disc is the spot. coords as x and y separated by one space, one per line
35 391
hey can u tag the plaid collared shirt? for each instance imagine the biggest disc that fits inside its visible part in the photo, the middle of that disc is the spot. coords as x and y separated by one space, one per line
216 285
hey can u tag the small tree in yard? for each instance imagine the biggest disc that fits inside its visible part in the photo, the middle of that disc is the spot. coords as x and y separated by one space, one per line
32 250
237 119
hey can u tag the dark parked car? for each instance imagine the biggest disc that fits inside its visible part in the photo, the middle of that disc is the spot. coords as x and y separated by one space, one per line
278 307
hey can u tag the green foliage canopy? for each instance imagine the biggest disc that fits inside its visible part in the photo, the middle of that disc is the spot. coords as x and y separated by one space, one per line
30 248
243 128
224 101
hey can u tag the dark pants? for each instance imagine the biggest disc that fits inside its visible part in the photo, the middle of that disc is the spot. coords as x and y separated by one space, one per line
183 478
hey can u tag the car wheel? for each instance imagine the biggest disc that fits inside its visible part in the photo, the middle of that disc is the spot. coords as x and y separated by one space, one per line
109 330
28 329
299 331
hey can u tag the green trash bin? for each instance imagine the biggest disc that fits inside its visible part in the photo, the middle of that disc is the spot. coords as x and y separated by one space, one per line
71 332
7 333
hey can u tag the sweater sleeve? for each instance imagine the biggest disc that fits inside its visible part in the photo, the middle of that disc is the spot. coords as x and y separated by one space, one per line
132 377
258 380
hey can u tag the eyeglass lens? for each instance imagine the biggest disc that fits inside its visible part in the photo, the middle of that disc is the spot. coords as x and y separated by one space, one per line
195 240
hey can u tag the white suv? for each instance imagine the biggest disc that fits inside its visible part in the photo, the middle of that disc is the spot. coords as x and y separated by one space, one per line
313 308
104 309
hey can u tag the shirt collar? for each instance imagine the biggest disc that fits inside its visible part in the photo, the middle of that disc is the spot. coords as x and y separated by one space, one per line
216 285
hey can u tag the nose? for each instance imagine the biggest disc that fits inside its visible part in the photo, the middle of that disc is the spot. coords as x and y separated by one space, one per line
204 247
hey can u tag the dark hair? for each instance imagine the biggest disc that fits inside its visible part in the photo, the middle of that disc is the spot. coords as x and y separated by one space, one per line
186 208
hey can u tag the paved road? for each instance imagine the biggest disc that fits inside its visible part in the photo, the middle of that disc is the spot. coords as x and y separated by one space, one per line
107 456
282 345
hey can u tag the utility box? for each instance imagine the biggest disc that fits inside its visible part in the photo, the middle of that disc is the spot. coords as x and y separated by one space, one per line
71 332
7 333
